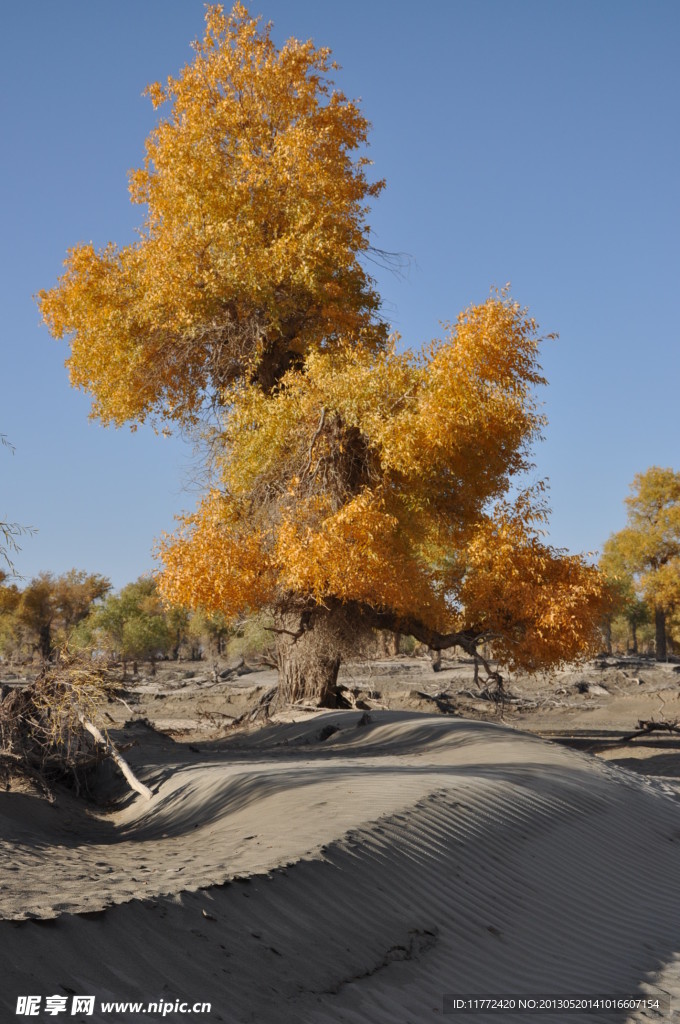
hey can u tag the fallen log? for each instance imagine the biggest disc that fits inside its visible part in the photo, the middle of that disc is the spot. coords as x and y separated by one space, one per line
111 750
647 726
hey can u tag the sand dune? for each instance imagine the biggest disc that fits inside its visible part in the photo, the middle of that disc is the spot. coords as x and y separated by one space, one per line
357 878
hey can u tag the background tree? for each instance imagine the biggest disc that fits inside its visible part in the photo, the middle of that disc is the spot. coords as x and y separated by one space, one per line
370 491
648 547
131 625
10 595
210 633
629 612
178 623
252 639
42 616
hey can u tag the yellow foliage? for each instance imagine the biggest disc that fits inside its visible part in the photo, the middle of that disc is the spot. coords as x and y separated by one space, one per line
357 554
348 472
215 563
377 479
249 253
539 606
647 549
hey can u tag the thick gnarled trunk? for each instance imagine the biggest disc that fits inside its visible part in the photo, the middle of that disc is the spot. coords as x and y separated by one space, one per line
308 662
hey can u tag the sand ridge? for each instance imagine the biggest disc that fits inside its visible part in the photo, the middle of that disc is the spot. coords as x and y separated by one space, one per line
355 878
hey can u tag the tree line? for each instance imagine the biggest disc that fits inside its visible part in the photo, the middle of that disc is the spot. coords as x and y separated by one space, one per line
78 613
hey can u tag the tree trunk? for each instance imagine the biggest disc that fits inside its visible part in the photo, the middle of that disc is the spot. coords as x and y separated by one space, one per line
388 643
308 665
660 629
633 627
45 640
607 635
113 751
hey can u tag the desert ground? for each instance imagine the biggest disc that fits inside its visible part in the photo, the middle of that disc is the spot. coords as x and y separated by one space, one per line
359 865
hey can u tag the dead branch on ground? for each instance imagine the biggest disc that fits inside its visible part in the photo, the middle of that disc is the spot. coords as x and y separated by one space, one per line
49 731
647 726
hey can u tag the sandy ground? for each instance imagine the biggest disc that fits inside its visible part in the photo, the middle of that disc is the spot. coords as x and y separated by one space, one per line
358 866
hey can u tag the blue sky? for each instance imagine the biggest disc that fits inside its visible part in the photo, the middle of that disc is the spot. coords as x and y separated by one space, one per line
529 141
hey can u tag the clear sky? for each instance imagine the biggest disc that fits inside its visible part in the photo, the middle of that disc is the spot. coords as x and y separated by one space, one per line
529 141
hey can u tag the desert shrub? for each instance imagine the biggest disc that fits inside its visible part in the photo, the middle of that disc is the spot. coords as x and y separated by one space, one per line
44 726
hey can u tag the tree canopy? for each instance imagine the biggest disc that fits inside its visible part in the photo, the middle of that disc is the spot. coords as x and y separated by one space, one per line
249 255
132 624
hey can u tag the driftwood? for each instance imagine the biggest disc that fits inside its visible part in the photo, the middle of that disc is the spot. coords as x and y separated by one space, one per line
110 748
647 726
442 700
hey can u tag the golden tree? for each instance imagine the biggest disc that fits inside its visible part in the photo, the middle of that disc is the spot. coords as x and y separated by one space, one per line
628 609
249 255
371 490
359 487
648 547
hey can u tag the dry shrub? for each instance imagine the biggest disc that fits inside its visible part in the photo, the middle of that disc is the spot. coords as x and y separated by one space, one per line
42 731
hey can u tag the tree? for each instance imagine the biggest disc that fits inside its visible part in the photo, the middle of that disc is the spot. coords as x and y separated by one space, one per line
648 547
371 491
50 607
249 254
359 488
132 625
210 633
628 609
10 595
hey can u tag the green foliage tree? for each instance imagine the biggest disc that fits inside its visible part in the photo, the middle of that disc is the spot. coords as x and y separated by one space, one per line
131 625
629 611
647 550
253 638
178 622
210 633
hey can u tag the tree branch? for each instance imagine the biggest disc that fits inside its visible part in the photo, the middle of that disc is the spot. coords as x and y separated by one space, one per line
113 752
289 632
315 438
467 640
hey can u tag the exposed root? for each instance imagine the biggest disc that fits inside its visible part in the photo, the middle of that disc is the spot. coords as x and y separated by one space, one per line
262 710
